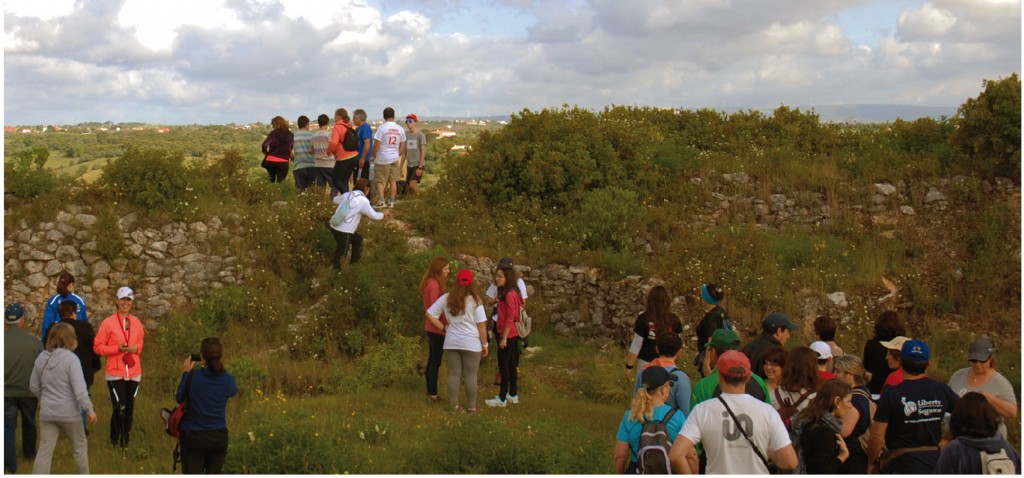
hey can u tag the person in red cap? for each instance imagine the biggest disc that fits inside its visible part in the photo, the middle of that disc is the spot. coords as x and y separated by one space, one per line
751 437
415 155
465 339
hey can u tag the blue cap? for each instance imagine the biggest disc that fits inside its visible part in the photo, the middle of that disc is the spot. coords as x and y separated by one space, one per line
916 351
14 313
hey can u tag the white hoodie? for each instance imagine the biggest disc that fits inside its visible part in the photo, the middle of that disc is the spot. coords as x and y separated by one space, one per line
58 382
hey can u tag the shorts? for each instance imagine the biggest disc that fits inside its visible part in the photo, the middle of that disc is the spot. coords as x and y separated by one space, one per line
410 174
387 173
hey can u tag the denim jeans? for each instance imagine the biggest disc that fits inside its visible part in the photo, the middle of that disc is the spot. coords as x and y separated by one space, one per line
26 406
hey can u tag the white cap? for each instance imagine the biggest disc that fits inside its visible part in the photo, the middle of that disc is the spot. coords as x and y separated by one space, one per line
894 344
824 351
125 292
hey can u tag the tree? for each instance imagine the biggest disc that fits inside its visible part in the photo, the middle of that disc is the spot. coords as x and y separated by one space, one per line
988 129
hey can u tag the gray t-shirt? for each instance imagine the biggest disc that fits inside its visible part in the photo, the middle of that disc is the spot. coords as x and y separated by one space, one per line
413 144
998 385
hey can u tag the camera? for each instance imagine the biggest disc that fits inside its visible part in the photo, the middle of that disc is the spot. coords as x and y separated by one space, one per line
197 358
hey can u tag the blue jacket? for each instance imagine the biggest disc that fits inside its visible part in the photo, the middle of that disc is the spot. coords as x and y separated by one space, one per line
50 315
208 399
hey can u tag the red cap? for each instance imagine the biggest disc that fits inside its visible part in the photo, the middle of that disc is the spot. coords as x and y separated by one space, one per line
465 277
733 363
412 117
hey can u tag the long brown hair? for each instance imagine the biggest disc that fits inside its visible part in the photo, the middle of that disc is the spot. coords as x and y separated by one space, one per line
434 272
800 371
457 297
511 282
824 402
657 309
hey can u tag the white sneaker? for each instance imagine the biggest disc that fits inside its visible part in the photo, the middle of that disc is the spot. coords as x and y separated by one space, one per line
381 205
513 399
391 204
496 402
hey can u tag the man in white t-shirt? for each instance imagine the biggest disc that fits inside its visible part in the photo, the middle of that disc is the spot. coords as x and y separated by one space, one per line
388 147
729 452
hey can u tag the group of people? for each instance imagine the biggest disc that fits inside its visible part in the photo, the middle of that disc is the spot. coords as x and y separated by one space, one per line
762 408
456 325
349 150
55 376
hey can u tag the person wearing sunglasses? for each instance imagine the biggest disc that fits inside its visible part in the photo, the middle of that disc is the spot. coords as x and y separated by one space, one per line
983 378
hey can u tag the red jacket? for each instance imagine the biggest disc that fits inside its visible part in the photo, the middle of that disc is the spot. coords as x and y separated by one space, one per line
508 314
111 335
337 146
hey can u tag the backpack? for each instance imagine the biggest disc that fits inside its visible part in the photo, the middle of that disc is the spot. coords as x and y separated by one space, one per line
864 437
350 141
341 215
997 463
787 409
524 325
172 421
655 443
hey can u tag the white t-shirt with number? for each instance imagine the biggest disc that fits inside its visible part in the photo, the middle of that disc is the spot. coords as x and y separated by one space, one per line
390 136
728 452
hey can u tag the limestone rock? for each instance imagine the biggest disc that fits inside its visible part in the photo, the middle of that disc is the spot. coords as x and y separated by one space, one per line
907 210
934 195
839 299
67 253
37 280
885 189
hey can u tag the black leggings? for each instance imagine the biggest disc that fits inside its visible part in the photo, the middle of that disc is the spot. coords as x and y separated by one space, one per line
342 173
122 399
277 171
203 451
436 346
508 366
342 241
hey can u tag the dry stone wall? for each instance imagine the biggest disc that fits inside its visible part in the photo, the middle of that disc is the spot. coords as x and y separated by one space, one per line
167 267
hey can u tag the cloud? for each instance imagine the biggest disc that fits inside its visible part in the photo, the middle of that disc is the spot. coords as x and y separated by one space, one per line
203 61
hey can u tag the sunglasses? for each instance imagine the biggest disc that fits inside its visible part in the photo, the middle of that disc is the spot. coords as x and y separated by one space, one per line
409 121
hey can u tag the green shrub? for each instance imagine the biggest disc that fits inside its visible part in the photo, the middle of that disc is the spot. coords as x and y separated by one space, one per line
607 219
106 231
151 178
222 305
383 363
247 373
25 176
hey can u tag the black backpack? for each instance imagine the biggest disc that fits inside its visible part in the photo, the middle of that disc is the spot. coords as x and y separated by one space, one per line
655 443
351 140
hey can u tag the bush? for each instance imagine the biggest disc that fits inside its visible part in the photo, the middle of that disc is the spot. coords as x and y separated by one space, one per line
25 176
384 363
151 178
106 231
607 219
247 373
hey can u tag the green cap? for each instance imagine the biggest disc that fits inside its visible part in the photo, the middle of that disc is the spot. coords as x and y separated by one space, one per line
725 339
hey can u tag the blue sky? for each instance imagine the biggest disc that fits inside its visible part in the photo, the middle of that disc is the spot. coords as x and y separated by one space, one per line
217 61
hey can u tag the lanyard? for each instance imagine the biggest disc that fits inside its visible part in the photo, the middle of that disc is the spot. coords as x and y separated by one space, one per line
124 326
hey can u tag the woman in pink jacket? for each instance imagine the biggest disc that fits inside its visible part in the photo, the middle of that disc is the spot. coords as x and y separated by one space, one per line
120 341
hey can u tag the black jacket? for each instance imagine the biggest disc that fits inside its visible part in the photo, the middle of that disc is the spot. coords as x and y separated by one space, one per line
85 335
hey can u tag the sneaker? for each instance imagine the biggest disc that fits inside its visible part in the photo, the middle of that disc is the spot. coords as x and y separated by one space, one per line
496 402
391 204
513 399
381 205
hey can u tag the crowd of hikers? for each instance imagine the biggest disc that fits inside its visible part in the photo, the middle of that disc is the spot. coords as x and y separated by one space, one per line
53 374
761 408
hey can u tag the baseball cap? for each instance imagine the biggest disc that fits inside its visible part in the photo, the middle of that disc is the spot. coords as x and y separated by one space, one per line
465 277
411 116
655 376
724 338
824 351
981 349
915 351
505 262
125 292
14 313
895 344
734 364
779 319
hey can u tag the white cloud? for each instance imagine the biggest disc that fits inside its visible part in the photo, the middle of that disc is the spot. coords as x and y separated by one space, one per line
239 60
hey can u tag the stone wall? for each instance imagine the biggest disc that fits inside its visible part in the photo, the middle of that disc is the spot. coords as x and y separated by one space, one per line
167 267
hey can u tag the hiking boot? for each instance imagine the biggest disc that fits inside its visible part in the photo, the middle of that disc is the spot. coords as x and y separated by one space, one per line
496 402
513 399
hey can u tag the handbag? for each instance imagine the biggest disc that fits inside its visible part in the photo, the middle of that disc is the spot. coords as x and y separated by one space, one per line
525 324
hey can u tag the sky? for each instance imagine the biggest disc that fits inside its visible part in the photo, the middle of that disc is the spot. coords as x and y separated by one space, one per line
239 61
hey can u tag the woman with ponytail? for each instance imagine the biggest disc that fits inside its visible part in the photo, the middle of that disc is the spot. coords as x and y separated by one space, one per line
648 405
431 288
655 319
204 430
